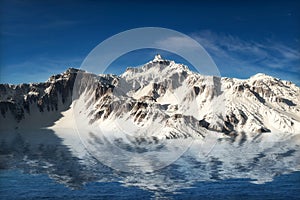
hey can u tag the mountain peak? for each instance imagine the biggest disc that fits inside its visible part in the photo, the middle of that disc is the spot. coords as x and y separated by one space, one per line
157 58
73 70
260 76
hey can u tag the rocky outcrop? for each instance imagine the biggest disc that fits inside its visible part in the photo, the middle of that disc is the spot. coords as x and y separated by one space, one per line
25 103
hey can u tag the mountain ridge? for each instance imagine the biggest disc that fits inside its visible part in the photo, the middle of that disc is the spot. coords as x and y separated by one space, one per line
180 103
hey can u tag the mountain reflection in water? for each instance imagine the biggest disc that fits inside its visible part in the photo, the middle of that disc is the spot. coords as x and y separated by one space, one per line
61 155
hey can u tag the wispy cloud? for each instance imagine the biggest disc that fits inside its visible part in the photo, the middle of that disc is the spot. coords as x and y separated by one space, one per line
232 54
177 43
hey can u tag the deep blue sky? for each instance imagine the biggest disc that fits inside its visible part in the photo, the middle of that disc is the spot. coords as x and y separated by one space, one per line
40 38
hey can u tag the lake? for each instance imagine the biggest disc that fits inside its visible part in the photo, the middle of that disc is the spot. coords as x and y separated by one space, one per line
54 164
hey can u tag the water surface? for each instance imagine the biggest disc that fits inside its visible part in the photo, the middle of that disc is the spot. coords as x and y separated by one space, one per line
37 164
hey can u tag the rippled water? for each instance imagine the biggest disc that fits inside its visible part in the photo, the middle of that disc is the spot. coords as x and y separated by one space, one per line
54 164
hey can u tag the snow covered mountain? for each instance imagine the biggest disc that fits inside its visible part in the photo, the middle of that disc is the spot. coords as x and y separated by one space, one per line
162 99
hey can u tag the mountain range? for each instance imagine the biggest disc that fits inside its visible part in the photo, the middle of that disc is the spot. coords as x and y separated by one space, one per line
161 99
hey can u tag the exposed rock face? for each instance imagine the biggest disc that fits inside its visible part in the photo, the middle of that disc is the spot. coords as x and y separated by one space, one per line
35 101
181 102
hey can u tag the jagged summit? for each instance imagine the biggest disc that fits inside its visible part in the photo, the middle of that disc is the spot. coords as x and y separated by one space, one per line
73 70
158 67
157 58
261 76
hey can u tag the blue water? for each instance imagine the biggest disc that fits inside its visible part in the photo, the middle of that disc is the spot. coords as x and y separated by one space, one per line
41 165
17 185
